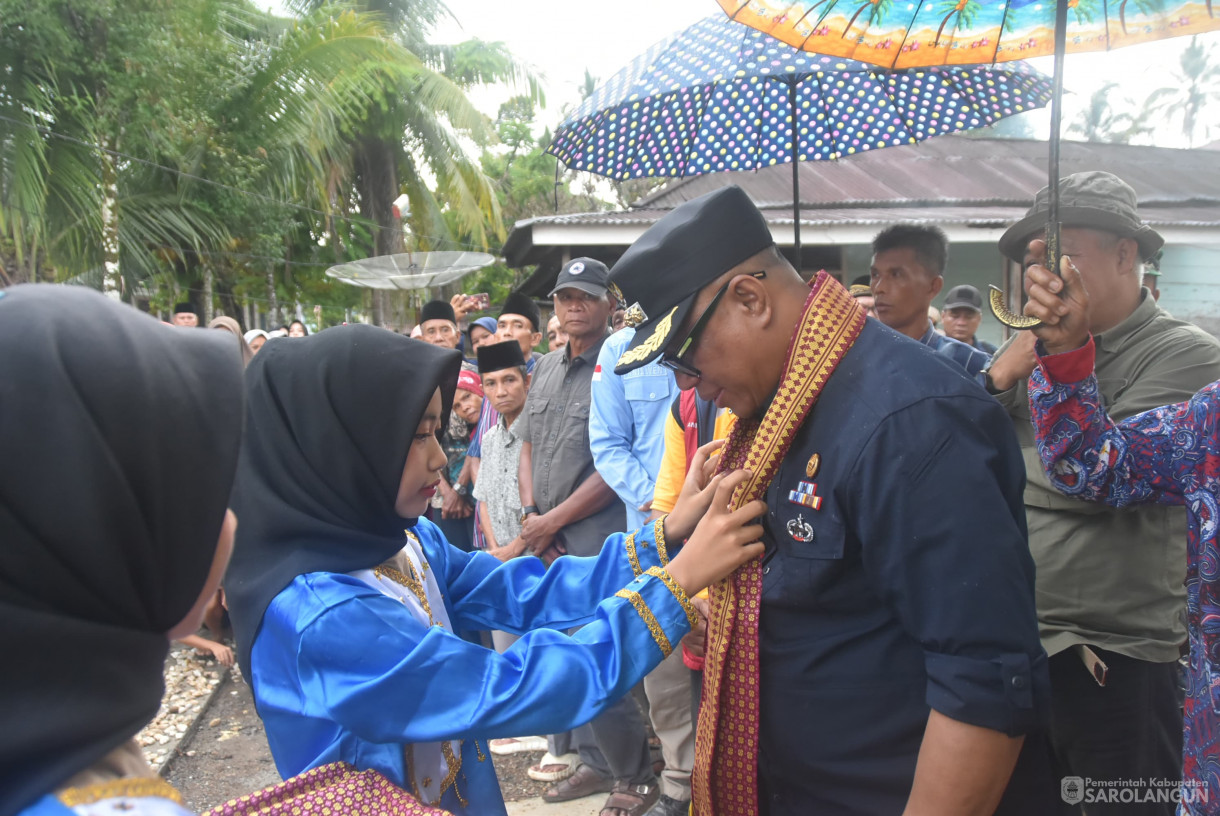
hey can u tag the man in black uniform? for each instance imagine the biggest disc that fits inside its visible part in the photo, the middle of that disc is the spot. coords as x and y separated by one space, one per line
896 663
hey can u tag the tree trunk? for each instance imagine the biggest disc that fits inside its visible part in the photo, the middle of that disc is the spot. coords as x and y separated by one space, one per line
209 282
376 164
273 306
112 279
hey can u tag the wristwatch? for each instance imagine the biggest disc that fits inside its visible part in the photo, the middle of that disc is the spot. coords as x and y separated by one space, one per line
528 510
988 383
462 490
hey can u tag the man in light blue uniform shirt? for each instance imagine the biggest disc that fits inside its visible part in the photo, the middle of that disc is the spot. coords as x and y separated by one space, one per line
627 436
627 426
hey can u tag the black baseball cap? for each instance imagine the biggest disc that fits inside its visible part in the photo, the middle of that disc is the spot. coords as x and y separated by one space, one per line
586 274
661 274
964 296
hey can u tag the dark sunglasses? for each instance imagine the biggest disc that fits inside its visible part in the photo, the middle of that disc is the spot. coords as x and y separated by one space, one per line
678 362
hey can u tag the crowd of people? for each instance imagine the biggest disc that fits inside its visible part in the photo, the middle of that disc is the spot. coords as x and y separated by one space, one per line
851 561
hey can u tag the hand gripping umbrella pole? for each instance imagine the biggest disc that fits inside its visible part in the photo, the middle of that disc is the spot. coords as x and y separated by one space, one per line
996 299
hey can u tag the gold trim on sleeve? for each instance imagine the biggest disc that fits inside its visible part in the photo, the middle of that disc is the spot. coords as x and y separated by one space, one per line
679 594
658 532
650 620
133 788
633 556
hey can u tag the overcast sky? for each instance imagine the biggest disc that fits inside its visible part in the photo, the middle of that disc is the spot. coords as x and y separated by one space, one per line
561 38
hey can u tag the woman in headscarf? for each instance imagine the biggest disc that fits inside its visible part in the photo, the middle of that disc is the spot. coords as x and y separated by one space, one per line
119 451
345 623
232 327
255 338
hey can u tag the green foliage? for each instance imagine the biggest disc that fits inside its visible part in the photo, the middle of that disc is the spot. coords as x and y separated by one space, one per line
1196 87
1102 121
205 143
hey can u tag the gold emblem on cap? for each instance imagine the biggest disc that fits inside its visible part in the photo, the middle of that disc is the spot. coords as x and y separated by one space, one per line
616 293
653 344
811 467
634 316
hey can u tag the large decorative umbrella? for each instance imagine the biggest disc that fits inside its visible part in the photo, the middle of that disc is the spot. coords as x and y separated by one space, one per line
924 33
723 96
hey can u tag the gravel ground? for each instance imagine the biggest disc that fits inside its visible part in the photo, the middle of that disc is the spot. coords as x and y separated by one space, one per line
227 755
209 743
190 680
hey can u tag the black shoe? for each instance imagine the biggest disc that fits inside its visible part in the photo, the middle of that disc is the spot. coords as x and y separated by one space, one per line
669 807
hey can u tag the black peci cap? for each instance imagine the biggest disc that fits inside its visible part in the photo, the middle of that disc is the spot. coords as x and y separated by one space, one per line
662 272
496 356
519 304
437 310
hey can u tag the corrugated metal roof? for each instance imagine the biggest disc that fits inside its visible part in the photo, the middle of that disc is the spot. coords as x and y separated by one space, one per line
989 215
948 180
959 169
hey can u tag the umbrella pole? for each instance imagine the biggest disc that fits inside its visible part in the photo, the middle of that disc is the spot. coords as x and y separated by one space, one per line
999 308
796 180
1052 209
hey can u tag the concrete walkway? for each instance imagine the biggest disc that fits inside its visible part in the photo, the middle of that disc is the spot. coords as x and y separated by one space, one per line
589 806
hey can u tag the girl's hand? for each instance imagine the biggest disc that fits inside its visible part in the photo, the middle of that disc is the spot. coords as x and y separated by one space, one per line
722 541
696 493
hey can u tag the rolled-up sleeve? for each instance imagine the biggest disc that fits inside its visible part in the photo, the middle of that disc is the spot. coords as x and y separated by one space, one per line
944 540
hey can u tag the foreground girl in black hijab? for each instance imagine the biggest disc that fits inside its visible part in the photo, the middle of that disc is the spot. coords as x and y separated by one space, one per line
345 623
118 444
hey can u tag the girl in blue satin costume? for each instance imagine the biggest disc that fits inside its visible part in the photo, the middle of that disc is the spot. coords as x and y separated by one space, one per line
345 622
119 439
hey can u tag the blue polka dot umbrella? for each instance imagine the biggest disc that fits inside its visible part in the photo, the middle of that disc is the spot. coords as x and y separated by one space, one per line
922 33
721 95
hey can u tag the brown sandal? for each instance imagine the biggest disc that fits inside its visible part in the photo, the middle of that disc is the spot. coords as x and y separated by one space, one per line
630 800
584 782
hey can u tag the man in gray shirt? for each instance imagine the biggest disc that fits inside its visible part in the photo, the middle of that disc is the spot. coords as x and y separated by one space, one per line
567 507
1109 582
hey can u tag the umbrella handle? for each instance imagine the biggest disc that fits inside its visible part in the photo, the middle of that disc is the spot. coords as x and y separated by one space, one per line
1009 318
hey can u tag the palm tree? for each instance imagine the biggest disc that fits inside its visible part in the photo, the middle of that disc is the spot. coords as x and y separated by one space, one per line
245 111
1099 122
876 15
1085 11
1144 6
963 9
1197 84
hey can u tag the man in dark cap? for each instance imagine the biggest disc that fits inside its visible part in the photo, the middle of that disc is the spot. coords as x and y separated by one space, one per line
568 507
1110 593
961 316
877 659
521 320
862 291
518 321
438 324
1152 274
185 315
505 384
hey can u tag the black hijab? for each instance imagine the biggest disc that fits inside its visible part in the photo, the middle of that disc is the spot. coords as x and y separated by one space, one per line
118 445
330 419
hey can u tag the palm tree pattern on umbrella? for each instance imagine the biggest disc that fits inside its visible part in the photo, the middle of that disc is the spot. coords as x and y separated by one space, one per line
876 15
965 11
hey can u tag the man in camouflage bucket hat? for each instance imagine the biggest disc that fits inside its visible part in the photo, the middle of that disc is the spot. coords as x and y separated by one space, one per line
1109 582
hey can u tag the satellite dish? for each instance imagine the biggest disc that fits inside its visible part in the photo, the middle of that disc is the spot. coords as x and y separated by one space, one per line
410 270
